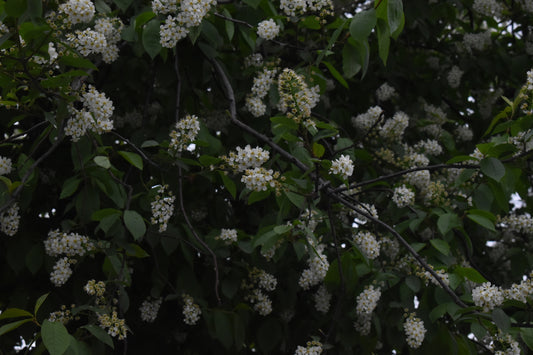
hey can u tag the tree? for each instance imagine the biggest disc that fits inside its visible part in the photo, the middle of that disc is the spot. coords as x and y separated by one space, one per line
278 177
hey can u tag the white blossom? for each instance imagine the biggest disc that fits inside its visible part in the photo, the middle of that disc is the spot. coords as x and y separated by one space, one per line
267 29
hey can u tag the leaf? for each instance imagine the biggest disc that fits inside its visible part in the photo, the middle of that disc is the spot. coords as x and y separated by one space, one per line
40 302
527 337
103 213
55 337
35 8
413 283
229 25
447 222
15 8
336 74
470 273
493 168
257 196
223 328
132 158
15 313
394 14
331 41
362 24
298 200
151 38
123 4
318 150
364 55
383 40
138 252
501 319
6 328
35 258
102 161
350 60
482 221
229 184
441 245
252 3
437 312
135 224
69 187
149 143
100 334
311 22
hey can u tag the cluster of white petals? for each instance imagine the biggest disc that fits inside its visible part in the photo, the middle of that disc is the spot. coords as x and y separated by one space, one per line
114 325
342 166
162 208
385 92
490 8
191 311
77 11
296 98
259 179
367 120
317 269
415 331
322 299
366 303
228 235
185 133
403 196
69 244
393 128
311 348
454 77
10 220
367 244
487 296
477 41
268 29
61 272
149 309
5 165
247 158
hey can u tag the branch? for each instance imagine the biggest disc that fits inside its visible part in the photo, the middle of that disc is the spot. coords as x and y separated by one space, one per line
421 261
138 150
193 231
178 85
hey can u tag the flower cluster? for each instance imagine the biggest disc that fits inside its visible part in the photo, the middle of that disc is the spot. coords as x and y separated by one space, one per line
262 83
366 303
149 309
260 281
454 77
162 208
342 166
367 208
5 165
77 11
429 146
191 311
95 115
180 20
367 120
311 348
102 40
517 223
3 28
267 29
185 133
403 196
367 244
477 41
63 316
519 292
228 235
464 133
487 296
300 7
393 128
414 330
69 244
490 8
93 288
246 158
296 98
317 269
260 179
322 299
385 92
443 275
61 272
10 220
114 325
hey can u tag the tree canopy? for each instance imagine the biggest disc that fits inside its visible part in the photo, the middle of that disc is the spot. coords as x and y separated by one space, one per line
277 177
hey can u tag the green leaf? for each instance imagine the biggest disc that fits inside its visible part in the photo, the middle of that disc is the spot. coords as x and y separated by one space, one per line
123 4
132 158
331 41
55 337
493 168
77 62
282 229
527 337
102 161
362 24
311 22
15 313
103 213
482 221
501 319
143 18
100 334
437 312
6 328
470 273
447 222
350 60
40 302
257 196
151 38
383 40
441 245
223 327
135 224
15 8
364 55
138 252
252 3
298 200
336 74
413 283
35 258
318 150
228 184
35 8
394 14
229 25
69 187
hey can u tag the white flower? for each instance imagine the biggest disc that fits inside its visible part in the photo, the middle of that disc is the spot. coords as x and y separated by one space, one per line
228 235
162 208
191 311
186 131
312 348
489 8
318 266
342 166
149 309
247 158
393 128
262 303
487 296
415 331
463 133
267 29
69 244
322 299
9 220
366 303
62 272
478 41
385 92
258 179
263 81
403 196
367 120
78 11
454 77
367 244
255 106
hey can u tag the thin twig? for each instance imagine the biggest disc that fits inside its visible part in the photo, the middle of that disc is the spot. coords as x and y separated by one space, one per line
15 136
193 231
138 150
178 85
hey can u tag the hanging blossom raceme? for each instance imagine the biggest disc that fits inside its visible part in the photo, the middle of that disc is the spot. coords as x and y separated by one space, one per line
366 303
149 309
312 348
246 158
385 92
318 266
185 133
342 166
191 311
300 7
487 296
181 17
6 166
95 115
267 29
393 128
403 196
10 220
296 98
69 244
114 325
454 77
262 83
162 208
490 8
260 282
77 11
367 120
414 330
322 299
61 271
229 236
367 244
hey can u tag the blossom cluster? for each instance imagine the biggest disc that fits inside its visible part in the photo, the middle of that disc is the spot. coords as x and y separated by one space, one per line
228 236
367 244
520 223
93 288
317 268
10 220
63 316
322 299
260 281
262 83
490 8
78 11
366 303
393 128
296 98
61 272
454 77
487 296
260 179
94 116
69 244
246 158
181 17
385 92
300 7
185 133
114 325
414 330
6 165
365 121
342 166
191 311
311 348
477 41
267 29
403 196
149 309
162 208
